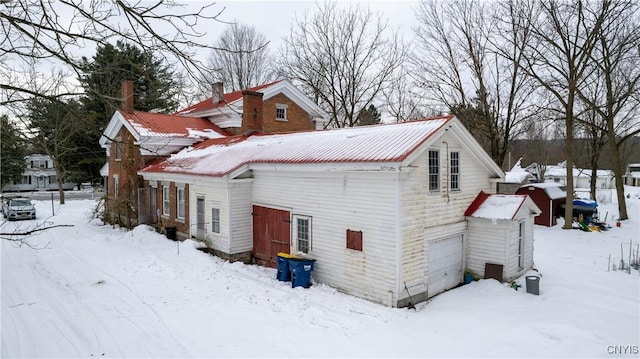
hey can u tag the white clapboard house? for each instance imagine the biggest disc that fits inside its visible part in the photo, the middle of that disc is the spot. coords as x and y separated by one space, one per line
380 208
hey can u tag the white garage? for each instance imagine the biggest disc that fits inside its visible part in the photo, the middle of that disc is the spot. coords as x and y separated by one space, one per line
445 264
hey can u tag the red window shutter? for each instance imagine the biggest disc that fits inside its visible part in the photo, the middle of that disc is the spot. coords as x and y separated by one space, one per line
354 240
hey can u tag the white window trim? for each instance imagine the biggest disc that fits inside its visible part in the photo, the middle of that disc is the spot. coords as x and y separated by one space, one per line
294 233
282 106
216 207
116 186
166 201
181 203
452 174
118 142
437 189
522 230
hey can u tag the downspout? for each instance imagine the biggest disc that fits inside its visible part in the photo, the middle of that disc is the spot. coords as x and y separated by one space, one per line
399 240
446 179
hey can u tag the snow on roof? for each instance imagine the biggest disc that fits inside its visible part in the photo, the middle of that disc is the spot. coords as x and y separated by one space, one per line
148 124
499 207
380 143
495 206
553 190
516 177
555 171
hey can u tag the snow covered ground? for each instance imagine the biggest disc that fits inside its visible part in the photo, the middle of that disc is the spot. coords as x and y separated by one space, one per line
94 291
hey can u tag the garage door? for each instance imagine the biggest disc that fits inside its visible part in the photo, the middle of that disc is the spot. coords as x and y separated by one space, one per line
445 264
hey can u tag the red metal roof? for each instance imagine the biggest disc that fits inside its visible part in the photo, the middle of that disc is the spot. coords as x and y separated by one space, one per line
227 98
163 125
482 196
367 144
495 206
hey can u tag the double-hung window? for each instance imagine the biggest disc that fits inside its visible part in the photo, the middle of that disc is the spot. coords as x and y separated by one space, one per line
281 112
434 170
521 235
181 202
302 233
116 186
165 201
215 220
455 171
118 148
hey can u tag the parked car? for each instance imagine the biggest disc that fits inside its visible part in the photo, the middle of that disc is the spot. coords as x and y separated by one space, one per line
4 200
14 208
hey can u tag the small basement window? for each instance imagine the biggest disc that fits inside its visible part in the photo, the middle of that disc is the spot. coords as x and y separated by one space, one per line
354 240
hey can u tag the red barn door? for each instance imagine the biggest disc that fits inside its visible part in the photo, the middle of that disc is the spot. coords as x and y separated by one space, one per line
271 234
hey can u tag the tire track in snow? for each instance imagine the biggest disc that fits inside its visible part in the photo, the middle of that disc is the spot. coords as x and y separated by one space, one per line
139 300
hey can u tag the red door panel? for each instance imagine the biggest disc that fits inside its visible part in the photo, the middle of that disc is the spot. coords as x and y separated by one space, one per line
271 234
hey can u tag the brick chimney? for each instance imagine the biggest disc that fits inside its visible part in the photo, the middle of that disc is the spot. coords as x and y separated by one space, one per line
252 111
217 92
127 96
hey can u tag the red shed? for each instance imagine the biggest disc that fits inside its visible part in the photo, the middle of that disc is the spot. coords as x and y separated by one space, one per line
548 197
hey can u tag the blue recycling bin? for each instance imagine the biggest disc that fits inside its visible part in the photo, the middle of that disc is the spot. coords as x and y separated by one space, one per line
301 272
284 273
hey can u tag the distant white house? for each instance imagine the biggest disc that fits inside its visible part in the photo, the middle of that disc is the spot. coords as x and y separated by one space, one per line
39 175
581 177
632 175
519 176
522 175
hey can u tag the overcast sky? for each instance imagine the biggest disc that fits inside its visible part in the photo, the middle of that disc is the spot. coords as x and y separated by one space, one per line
274 18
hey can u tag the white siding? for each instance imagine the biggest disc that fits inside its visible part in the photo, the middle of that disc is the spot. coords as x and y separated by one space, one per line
496 241
487 243
430 216
215 193
361 201
234 201
512 270
240 219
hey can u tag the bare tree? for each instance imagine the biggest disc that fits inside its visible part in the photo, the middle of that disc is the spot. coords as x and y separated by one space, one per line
540 132
611 93
56 34
241 61
343 58
467 60
403 102
565 34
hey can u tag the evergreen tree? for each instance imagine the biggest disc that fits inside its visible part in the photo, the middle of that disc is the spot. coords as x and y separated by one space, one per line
12 152
368 116
155 85
155 90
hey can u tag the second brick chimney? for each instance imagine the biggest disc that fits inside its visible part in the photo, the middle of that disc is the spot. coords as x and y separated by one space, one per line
127 96
252 111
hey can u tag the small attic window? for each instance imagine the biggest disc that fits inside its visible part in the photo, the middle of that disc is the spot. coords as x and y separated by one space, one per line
281 112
